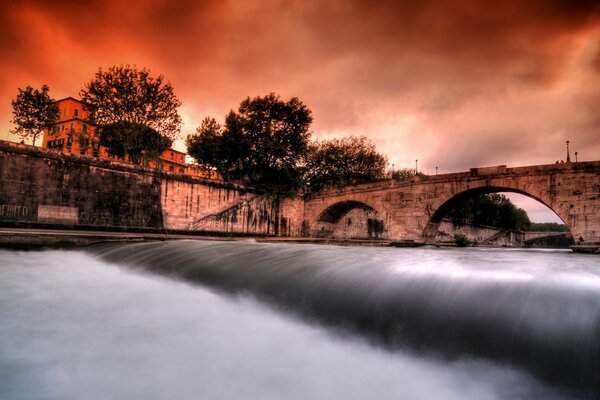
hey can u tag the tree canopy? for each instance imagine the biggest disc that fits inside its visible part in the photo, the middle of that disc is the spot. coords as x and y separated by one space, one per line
491 210
404 173
347 161
33 111
134 140
207 146
128 98
264 143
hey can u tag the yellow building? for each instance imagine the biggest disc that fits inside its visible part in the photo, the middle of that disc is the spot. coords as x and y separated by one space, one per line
75 134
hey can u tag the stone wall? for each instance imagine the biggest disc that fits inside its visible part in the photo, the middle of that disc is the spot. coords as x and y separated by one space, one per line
44 187
39 186
484 235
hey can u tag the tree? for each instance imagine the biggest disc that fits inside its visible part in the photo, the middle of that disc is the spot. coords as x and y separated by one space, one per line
208 148
491 210
339 162
33 111
404 173
134 140
264 143
123 97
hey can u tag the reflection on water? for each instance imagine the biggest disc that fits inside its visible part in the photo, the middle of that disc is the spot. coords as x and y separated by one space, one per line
74 326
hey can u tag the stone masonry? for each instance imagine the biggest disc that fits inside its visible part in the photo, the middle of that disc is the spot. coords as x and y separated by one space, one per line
412 209
38 186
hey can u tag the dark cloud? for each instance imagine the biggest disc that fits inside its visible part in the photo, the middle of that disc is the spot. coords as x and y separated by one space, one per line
455 83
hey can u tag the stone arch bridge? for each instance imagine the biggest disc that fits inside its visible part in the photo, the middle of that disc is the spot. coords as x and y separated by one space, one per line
412 209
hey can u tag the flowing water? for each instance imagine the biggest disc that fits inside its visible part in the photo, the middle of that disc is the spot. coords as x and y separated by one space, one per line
246 320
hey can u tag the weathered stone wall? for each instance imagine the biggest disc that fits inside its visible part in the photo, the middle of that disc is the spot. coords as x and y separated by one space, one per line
484 235
358 223
38 186
212 207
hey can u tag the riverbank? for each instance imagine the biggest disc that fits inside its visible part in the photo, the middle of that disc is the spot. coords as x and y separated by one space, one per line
29 238
41 238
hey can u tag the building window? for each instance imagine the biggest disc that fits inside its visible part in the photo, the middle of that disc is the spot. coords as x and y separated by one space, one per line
172 156
84 128
182 159
76 113
171 168
56 144
181 171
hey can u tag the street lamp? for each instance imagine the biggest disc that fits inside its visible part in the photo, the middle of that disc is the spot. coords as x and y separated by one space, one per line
416 167
568 156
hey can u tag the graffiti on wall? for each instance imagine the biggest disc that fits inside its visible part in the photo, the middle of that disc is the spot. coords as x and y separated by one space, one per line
12 211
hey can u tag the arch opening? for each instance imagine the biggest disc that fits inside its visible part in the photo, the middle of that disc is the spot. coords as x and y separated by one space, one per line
442 230
349 220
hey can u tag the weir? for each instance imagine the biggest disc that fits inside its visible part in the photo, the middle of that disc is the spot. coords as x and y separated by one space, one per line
537 311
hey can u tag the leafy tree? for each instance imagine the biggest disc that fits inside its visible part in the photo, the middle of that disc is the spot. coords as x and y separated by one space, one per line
461 240
212 148
134 140
491 210
264 143
123 97
403 173
33 111
548 227
339 162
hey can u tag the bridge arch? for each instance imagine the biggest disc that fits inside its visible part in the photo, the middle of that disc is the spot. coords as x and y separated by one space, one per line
349 219
444 206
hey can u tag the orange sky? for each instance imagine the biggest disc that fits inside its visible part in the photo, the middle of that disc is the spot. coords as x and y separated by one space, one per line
453 83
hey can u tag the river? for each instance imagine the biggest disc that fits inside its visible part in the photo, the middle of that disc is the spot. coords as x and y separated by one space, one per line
247 320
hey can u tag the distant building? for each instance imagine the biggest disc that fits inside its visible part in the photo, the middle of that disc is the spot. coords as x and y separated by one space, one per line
75 134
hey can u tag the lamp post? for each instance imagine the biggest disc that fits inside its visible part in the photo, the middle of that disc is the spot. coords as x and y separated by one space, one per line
416 167
575 156
436 170
568 156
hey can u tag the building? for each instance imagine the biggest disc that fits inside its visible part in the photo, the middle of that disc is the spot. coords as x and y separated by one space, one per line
170 160
75 134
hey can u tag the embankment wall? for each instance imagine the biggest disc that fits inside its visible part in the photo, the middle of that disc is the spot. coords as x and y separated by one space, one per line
45 187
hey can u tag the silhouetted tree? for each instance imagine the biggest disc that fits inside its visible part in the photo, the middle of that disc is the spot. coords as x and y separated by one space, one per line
403 173
137 141
33 111
491 210
264 143
123 97
548 227
339 162
209 148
